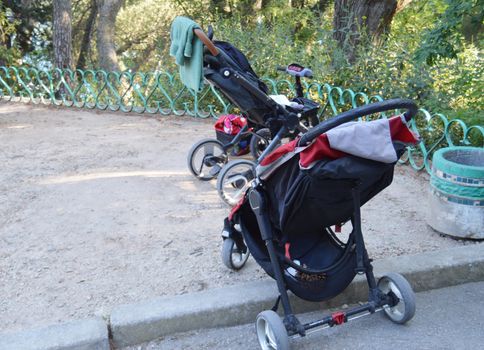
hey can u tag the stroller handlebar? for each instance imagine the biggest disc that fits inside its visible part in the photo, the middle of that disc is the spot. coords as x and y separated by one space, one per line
206 41
362 111
296 70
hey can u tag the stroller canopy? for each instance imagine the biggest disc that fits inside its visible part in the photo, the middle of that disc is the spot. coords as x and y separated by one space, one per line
370 140
310 187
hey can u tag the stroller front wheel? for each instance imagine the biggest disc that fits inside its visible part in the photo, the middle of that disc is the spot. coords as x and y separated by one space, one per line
271 332
234 180
404 310
232 256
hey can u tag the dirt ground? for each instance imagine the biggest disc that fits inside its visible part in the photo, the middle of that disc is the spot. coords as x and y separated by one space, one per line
98 209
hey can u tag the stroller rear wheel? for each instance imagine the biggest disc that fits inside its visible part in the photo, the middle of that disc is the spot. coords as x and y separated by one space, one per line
271 332
232 256
206 158
404 309
234 179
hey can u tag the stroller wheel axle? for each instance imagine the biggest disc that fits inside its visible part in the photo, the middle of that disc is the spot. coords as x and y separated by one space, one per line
340 317
384 302
293 326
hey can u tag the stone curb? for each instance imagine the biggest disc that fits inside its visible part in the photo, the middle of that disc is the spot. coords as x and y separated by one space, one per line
86 334
145 321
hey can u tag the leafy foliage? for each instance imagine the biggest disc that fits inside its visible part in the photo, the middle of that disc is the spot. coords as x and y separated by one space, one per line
446 38
433 52
30 33
8 52
450 85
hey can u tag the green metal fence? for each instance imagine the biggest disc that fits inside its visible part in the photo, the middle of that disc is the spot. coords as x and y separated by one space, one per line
162 93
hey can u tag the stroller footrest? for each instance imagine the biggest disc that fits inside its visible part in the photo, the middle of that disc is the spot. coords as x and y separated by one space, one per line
340 317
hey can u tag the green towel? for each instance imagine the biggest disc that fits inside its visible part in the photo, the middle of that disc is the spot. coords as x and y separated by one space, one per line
188 52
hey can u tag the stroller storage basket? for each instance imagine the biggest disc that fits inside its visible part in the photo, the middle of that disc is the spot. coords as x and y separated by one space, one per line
322 252
241 148
224 137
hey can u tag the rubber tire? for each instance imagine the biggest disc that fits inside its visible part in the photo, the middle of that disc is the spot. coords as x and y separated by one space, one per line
277 326
227 248
407 294
254 142
192 152
224 172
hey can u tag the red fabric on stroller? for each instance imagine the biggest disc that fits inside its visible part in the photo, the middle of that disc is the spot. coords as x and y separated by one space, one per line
230 124
321 147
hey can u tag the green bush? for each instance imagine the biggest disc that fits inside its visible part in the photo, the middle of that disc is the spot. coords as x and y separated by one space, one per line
390 69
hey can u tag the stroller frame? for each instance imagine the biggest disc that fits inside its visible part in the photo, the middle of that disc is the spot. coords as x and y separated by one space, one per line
223 61
377 299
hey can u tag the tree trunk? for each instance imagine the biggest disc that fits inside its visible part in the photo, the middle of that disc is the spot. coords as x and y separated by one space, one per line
62 25
108 11
86 38
261 4
352 16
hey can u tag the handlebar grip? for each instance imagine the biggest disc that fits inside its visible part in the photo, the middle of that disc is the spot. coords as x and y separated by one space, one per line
308 73
281 68
352 114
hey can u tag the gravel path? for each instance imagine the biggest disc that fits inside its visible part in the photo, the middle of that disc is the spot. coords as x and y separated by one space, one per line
98 209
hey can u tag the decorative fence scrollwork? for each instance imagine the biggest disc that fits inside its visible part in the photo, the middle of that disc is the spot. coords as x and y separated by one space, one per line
162 93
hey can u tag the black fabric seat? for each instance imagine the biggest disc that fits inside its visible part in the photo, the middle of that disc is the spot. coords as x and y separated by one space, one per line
255 109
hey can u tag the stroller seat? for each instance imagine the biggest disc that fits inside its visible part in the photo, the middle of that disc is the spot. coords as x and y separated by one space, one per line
231 73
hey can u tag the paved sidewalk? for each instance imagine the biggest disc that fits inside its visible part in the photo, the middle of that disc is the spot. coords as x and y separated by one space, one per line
448 318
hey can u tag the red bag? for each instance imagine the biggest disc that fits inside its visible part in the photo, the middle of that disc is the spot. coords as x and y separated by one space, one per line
230 124
226 127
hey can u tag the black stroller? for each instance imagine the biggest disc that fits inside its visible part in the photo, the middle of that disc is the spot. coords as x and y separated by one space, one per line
228 69
236 175
299 191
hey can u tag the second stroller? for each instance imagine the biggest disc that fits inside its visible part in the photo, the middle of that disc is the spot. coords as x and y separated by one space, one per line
208 158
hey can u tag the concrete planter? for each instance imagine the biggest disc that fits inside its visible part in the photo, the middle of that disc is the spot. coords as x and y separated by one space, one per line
456 201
